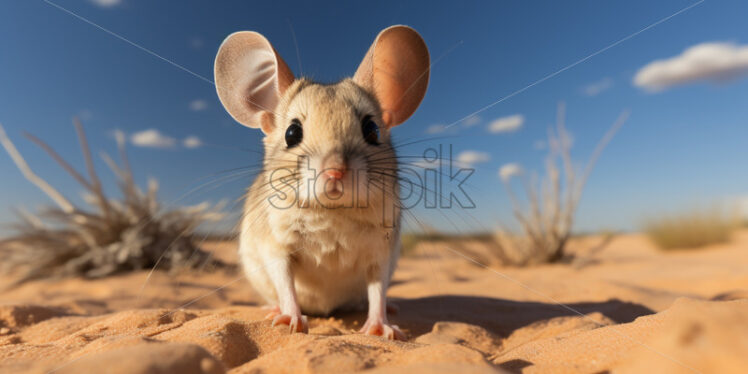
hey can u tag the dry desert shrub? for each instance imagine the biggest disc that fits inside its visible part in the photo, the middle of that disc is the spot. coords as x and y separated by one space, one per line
694 229
546 213
109 235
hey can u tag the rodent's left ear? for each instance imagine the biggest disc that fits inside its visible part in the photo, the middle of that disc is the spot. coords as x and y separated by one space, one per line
396 69
250 78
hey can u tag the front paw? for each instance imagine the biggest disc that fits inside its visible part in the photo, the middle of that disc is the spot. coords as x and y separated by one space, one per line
383 329
296 322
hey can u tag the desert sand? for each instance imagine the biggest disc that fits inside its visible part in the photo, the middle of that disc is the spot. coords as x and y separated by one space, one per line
626 308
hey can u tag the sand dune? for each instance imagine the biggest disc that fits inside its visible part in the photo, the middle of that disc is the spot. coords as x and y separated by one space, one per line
628 308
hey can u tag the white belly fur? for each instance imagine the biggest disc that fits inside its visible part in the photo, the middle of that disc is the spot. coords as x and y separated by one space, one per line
331 254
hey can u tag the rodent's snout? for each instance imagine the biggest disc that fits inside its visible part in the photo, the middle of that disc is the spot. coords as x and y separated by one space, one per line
335 174
334 167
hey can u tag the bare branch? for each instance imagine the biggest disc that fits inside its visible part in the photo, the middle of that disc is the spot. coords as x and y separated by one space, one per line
95 182
602 144
31 219
51 152
137 234
547 218
119 173
131 190
53 194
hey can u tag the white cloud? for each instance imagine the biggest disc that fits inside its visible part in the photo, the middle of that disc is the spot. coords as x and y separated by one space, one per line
436 129
469 158
192 142
440 128
716 62
471 121
105 3
596 88
423 164
198 105
507 171
465 159
152 138
507 124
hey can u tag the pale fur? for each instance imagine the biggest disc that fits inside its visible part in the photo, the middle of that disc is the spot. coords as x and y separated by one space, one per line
335 251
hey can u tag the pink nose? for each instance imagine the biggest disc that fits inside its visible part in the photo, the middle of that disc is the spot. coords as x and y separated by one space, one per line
334 173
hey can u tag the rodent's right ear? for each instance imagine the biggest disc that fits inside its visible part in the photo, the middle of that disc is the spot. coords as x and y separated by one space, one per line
396 69
250 78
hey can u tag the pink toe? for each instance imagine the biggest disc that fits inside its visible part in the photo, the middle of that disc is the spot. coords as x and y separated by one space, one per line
281 319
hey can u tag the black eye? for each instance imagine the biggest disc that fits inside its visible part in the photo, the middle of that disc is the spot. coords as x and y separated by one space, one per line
294 134
370 130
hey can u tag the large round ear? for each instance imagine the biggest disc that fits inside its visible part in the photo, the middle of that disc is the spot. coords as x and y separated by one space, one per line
250 78
396 70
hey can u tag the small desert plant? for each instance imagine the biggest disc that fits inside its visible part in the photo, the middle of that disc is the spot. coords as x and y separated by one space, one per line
693 229
547 217
111 236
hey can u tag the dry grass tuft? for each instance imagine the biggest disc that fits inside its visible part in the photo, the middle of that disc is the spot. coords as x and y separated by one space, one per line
411 240
546 214
111 236
694 229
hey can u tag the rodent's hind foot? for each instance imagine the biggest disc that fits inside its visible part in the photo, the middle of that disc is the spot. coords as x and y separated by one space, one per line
273 311
297 323
385 330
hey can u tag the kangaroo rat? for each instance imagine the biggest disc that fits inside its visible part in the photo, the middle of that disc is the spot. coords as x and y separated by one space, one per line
321 223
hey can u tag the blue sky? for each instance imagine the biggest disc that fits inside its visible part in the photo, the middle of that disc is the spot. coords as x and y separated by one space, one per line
683 146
